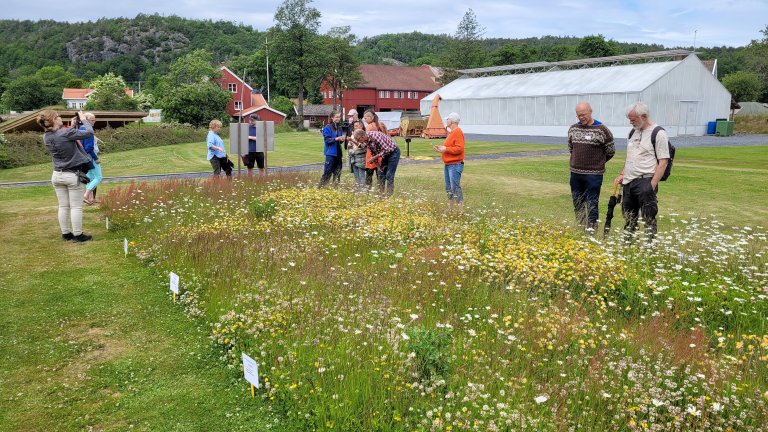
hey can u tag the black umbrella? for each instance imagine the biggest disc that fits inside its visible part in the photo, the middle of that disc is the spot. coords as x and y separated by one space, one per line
615 199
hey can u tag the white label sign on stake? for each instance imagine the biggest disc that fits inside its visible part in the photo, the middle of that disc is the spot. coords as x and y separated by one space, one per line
106 222
251 370
125 247
174 283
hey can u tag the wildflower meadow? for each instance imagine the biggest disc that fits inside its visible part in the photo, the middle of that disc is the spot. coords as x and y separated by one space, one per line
371 314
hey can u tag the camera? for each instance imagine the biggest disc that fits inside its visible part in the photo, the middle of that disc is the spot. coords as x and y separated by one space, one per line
78 121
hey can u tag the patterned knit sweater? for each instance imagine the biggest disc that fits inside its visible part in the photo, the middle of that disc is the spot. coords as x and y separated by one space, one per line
591 146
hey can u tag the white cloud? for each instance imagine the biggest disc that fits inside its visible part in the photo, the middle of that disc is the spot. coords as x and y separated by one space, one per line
716 22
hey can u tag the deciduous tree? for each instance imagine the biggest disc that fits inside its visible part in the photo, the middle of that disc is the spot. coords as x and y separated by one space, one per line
196 104
282 104
297 63
342 70
28 93
744 86
189 92
597 46
109 94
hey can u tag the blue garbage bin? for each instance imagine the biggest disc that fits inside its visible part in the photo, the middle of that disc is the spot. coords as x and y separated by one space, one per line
711 127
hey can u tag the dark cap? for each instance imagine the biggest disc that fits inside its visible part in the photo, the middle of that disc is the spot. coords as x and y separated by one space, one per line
254 117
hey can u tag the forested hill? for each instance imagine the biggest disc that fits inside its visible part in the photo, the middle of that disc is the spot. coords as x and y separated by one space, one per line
130 47
419 48
140 49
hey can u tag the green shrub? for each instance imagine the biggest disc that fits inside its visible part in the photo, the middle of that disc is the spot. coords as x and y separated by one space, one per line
26 148
430 349
283 128
264 209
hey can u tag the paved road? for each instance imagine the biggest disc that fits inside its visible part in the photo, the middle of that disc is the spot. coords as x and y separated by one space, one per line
292 169
621 143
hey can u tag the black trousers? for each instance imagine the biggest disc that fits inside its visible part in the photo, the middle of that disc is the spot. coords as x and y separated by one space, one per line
219 164
639 198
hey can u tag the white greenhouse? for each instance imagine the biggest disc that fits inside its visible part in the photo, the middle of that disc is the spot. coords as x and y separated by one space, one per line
540 98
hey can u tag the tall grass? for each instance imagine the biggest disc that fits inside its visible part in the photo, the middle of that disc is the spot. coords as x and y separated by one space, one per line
757 124
375 314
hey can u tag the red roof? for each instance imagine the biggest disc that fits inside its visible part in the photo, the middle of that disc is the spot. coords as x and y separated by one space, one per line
252 110
257 100
74 93
388 77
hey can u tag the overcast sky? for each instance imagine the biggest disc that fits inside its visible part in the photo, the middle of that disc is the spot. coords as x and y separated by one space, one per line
668 22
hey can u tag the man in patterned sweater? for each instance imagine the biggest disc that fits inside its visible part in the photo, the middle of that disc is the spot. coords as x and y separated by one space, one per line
591 146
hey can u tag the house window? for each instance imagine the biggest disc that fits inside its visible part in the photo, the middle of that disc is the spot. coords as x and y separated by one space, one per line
238 105
232 87
396 94
383 94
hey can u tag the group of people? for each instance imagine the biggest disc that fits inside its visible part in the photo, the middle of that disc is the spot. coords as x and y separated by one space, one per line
591 145
217 154
372 151
76 168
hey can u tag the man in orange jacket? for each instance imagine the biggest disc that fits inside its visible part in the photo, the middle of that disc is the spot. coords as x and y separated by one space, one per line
452 152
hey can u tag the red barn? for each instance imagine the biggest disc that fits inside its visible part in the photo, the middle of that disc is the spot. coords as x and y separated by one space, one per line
387 88
245 99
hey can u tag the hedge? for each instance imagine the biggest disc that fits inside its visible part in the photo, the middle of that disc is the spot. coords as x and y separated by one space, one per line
26 148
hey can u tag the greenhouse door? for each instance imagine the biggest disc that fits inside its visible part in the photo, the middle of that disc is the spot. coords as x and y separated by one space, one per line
689 116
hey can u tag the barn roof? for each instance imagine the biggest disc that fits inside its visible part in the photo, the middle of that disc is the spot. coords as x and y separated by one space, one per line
386 77
612 79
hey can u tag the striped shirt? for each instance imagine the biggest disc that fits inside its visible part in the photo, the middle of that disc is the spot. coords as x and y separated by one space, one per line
380 144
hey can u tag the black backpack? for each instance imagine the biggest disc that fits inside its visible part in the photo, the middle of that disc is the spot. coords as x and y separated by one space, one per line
672 150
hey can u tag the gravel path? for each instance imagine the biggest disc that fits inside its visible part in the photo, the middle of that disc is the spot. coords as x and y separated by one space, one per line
292 169
621 143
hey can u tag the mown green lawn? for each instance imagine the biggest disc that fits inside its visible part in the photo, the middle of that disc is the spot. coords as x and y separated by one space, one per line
296 148
731 184
92 341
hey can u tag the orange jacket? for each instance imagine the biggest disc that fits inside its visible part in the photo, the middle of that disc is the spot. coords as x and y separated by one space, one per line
368 128
454 147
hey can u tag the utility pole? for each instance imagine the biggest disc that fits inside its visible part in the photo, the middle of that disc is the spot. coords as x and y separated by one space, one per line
694 39
240 122
266 47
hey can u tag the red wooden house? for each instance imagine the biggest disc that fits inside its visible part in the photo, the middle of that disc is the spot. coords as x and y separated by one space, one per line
386 88
246 100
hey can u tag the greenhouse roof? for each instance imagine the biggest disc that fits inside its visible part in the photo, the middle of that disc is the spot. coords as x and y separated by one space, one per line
613 79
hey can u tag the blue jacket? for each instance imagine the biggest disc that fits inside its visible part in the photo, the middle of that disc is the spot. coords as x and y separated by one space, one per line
330 133
213 139
88 145
251 143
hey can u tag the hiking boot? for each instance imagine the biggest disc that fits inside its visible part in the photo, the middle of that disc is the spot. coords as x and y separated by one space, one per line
67 236
81 238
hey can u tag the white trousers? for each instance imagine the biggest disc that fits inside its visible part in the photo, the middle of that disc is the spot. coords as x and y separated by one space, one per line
69 192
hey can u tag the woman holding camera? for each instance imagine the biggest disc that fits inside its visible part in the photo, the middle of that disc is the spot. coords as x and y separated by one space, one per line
69 159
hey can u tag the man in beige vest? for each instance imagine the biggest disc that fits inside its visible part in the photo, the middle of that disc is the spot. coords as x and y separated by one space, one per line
643 170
